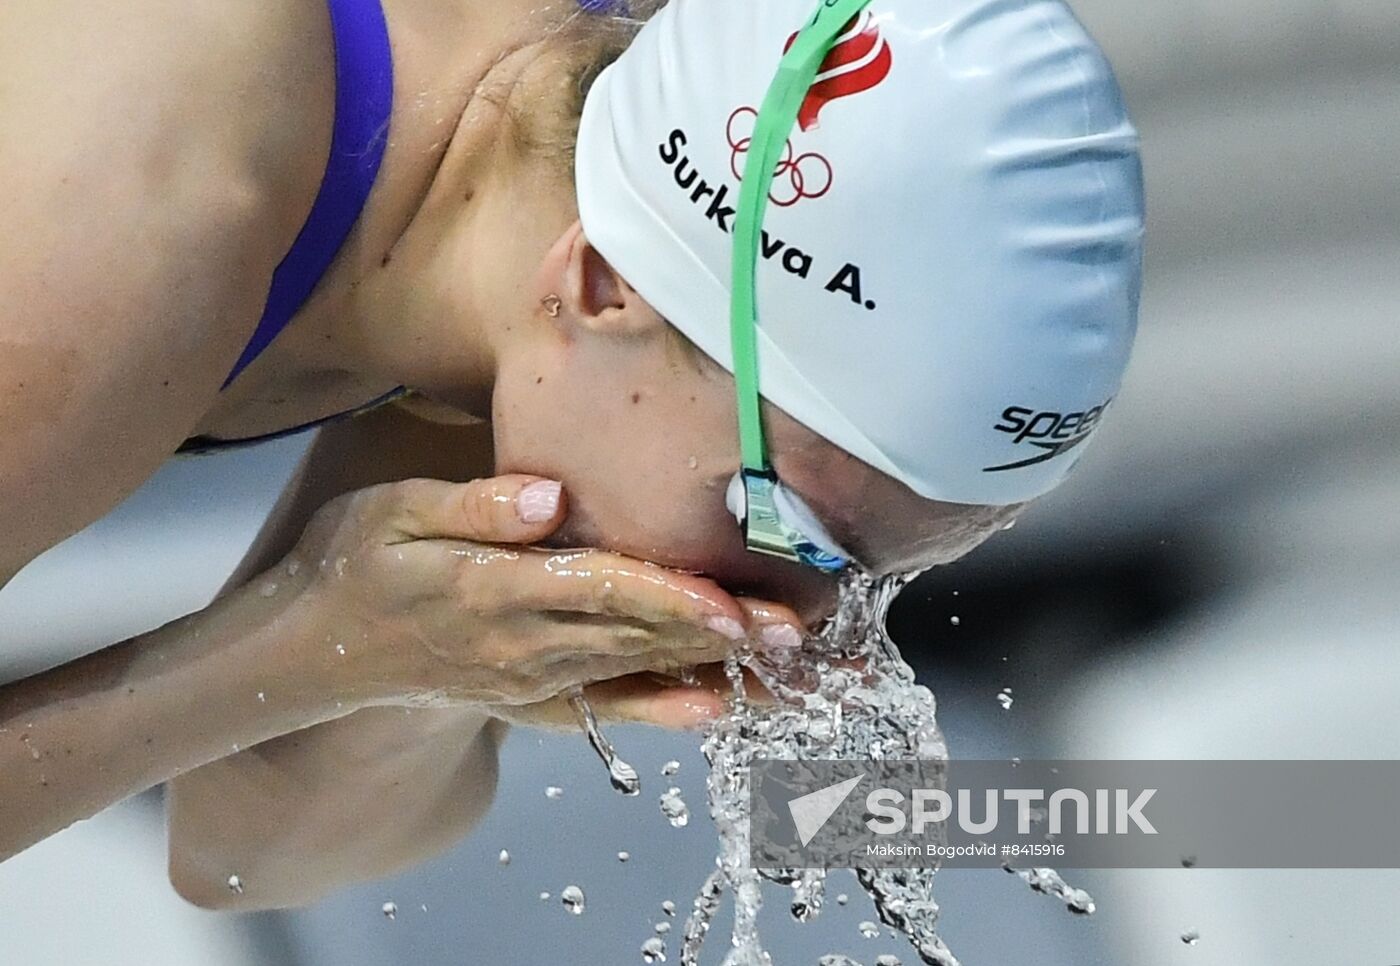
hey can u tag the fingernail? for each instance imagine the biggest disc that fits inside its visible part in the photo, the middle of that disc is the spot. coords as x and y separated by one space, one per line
781 635
727 626
538 502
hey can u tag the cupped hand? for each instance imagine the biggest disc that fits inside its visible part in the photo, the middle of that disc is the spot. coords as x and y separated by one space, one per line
681 703
425 592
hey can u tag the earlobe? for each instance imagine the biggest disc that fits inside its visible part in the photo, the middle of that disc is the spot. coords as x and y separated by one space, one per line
599 298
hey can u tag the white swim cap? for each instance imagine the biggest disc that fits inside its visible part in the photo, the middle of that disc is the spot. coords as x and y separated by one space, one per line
950 277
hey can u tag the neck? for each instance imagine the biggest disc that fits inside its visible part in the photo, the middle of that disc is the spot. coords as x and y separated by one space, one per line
366 322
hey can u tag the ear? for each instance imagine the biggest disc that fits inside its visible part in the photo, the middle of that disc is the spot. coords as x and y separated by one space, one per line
596 297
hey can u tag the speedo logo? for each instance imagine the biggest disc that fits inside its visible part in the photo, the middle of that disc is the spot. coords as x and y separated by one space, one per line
1046 433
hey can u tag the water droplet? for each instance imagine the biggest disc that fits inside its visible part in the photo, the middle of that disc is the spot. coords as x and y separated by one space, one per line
674 808
654 950
621 775
694 463
670 768
869 930
955 620
340 563
544 897
668 907
424 907
554 792
293 567
1004 697
268 589
390 910
842 899
262 696
623 856
662 928
1191 937
504 857
235 885
573 899
887 960
340 649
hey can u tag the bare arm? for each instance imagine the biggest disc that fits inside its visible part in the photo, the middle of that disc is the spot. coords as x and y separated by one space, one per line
91 733
347 801
140 219
357 798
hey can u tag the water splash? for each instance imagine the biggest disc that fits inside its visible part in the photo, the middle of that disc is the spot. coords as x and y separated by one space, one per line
846 694
235 885
553 793
390 910
503 858
702 914
654 950
1050 883
1191 937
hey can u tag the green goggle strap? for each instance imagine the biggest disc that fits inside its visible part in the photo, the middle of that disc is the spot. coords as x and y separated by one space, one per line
776 117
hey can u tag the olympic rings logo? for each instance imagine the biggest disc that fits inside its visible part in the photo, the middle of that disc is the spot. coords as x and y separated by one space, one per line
797 176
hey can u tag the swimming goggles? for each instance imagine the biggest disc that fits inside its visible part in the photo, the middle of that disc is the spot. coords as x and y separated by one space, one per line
775 520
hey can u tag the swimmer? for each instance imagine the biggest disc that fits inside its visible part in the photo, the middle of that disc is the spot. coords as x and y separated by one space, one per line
512 238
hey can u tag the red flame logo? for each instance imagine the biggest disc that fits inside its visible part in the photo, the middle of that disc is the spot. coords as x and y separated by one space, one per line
859 61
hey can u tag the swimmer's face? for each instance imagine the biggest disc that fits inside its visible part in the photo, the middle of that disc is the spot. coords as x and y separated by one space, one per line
600 392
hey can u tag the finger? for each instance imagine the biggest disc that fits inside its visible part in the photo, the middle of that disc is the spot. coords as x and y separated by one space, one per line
634 699
773 625
714 678
503 509
590 649
598 582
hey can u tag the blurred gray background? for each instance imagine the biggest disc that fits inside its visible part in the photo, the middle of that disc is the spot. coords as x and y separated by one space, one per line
1220 580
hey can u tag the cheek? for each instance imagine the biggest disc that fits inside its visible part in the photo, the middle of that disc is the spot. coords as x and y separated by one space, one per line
644 477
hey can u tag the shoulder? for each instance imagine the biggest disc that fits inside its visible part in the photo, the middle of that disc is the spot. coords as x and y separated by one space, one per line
193 100
159 157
